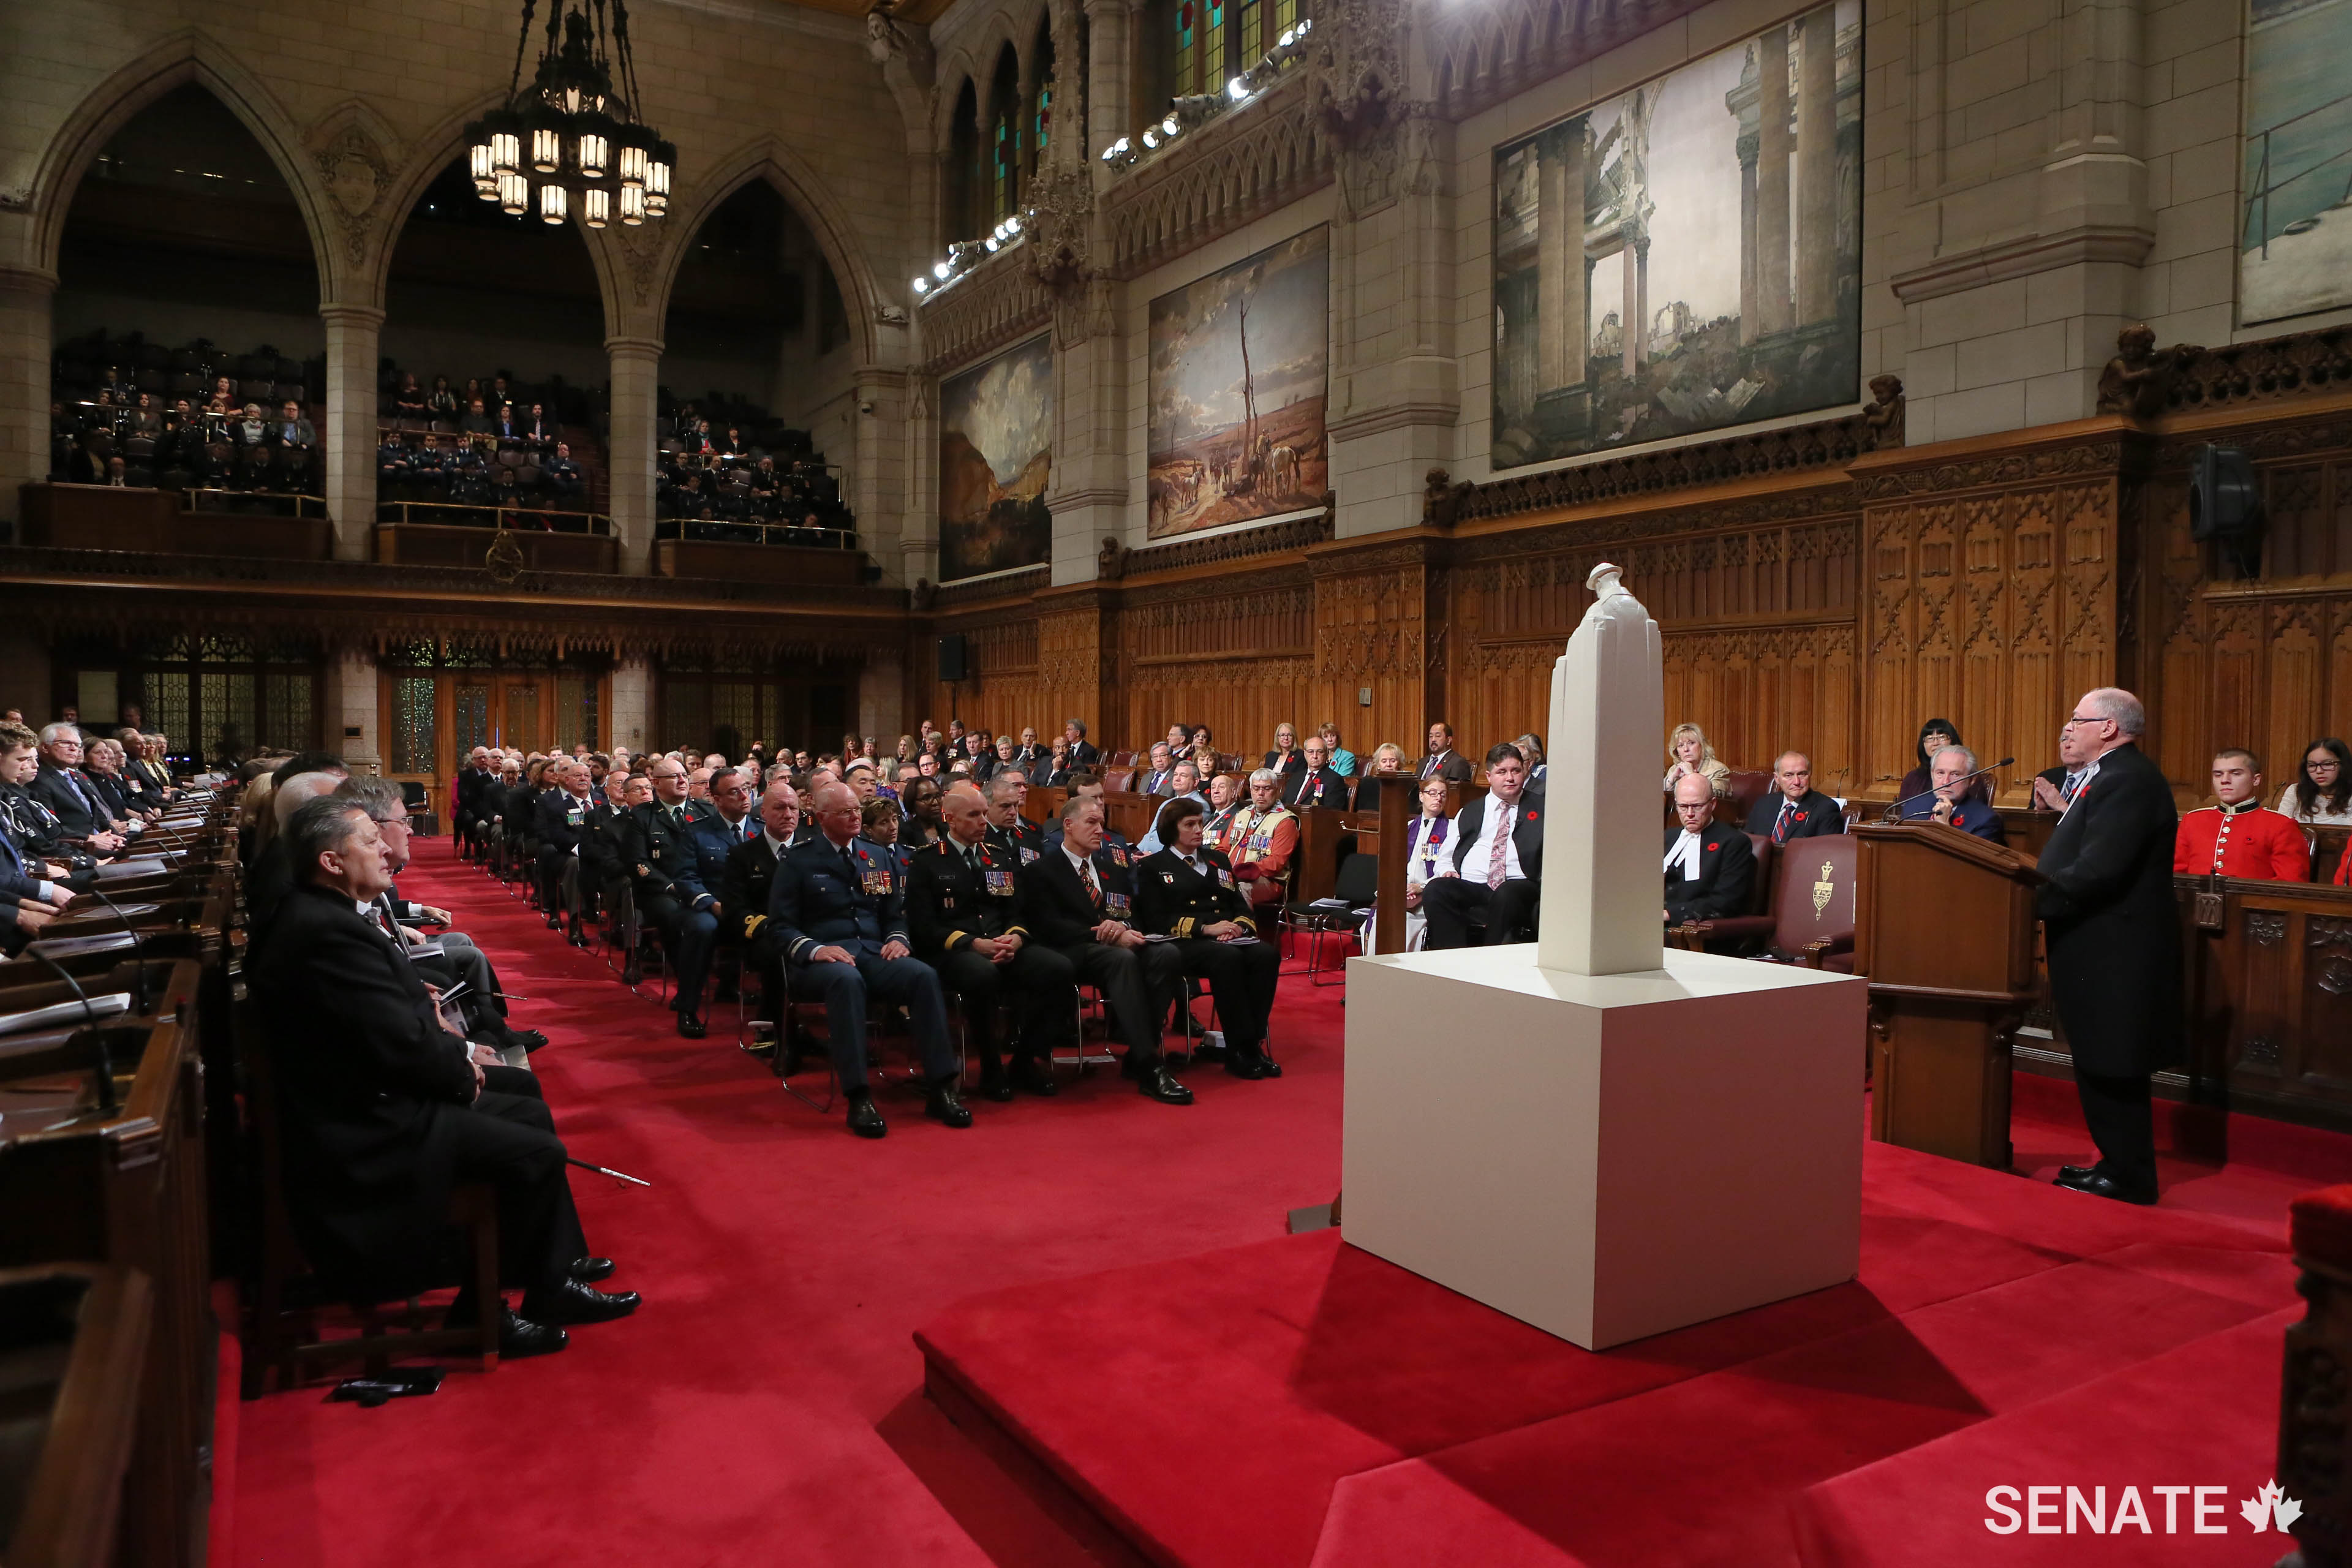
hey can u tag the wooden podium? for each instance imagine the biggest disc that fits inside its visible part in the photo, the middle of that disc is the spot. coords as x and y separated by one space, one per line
1944 932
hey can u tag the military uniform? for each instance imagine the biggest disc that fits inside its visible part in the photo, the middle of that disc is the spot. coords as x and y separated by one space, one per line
1024 841
956 895
849 898
660 857
1175 896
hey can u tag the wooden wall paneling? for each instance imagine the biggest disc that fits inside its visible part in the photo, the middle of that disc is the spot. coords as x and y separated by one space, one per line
1377 611
1237 657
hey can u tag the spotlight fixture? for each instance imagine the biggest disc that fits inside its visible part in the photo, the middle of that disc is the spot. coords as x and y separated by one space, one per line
571 132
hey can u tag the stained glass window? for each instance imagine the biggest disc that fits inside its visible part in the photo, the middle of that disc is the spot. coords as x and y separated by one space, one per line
1041 123
575 711
1188 68
1286 16
473 717
1213 48
227 701
1001 166
413 724
289 722
167 708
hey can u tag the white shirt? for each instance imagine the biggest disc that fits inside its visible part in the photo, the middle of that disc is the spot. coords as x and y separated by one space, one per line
1473 861
778 846
1079 863
2318 816
1685 854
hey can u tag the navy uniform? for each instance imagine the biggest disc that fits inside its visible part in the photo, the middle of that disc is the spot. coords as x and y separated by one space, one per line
1175 896
1063 905
849 897
957 894
659 856
745 892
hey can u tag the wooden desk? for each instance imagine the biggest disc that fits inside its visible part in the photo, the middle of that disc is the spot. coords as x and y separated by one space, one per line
91 1324
2269 1000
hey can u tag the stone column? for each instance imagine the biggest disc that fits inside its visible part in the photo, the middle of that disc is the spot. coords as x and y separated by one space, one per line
1561 341
1107 26
1817 167
629 460
353 332
1747 325
1636 309
1772 183
356 708
633 693
25 347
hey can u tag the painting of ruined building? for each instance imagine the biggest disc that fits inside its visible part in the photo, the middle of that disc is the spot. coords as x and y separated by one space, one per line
996 456
1686 256
2295 237
1237 378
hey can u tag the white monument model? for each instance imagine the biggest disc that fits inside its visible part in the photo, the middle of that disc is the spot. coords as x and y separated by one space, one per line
1591 1132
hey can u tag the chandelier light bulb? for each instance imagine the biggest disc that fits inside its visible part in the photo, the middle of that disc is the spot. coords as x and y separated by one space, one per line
506 153
514 195
546 149
552 204
595 206
595 153
633 206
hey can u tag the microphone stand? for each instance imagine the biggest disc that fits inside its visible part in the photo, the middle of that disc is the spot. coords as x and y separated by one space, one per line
97 1031
137 951
1895 812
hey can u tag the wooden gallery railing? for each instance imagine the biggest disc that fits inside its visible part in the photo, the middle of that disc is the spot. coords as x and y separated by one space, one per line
103 1168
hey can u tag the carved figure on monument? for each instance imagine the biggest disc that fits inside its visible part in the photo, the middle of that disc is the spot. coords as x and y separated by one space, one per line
2137 380
1110 563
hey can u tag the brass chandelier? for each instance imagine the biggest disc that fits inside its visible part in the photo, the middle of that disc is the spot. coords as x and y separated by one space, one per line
569 142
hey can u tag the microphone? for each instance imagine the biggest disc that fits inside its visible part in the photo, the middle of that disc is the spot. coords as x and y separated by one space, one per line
97 1031
137 951
1895 812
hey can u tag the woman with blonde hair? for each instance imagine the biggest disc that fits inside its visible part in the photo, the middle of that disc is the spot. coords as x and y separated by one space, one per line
1689 750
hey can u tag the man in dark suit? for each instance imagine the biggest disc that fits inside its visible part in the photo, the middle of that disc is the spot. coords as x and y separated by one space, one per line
1952 804
562 832
1794 809
2113 934
1442 760
61 786
1316 782
1083 753
1187 892
840 918
472 779
1079 900
964 910
1709 868
1496 876
666 867
382 1110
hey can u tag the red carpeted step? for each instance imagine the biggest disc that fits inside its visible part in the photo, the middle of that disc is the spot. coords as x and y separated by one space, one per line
2205 1413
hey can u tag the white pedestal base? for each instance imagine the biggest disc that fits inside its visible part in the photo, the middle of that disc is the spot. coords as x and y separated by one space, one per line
1605 1157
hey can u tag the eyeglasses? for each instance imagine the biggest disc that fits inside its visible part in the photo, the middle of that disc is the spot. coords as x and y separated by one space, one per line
2084 718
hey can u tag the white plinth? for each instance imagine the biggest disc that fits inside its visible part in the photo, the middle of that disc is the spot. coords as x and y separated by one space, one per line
1606 1157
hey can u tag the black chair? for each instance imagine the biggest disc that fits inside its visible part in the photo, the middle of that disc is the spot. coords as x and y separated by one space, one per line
420 808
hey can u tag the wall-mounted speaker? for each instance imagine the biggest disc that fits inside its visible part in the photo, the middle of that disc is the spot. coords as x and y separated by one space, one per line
2225 505
955 658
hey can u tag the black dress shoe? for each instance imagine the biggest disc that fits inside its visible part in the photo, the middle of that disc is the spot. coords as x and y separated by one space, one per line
692 1028
943 1104
995 1086
863 1119
573 1302
521 1339
588 1270
1155 1084
2072 1173
2099 1184
531 1040
1251 1064
1033 1076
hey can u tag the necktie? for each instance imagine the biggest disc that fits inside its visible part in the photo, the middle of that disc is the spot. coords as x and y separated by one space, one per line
1495 866
2066 791
972 858
1780 825
89 795
1094 888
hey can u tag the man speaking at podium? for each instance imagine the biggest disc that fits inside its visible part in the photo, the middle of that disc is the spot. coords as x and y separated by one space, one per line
2114 938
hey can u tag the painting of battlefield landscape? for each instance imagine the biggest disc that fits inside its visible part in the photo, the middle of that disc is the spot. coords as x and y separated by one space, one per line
996 439
1686 256
2296 244
1237 381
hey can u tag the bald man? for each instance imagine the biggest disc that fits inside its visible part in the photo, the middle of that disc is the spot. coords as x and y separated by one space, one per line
839 916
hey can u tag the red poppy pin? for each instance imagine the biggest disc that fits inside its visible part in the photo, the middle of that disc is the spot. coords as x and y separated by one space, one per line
1711 848
1531 817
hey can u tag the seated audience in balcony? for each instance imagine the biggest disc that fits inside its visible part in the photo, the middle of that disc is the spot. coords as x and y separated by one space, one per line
408 398
1687 752
2238 836
1793 808
478 420
1948 800
441 403
560 475
2321 795
145 418
540 428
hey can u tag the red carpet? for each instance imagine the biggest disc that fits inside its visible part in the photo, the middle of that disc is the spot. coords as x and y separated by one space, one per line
765 1402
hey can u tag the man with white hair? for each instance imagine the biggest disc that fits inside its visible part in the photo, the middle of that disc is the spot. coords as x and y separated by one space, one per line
1263 839
272 875
466 812
1950 802
63 787
2111 930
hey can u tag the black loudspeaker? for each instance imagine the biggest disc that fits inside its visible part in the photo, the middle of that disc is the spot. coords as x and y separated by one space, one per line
2225 504
955 658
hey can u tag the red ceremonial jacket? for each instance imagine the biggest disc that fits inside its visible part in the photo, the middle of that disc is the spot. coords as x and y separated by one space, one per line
2248 840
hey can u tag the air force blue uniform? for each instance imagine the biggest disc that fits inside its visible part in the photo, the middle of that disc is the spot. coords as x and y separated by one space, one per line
853 899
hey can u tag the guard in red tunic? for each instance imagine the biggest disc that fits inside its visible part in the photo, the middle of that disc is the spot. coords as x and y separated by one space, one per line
2239 837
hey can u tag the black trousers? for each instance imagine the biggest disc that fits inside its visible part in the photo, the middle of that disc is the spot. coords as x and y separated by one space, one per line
2123 1124
510 1141
1242 979
845 988
1138 981
1456 904
1037 980
551 862
689 935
